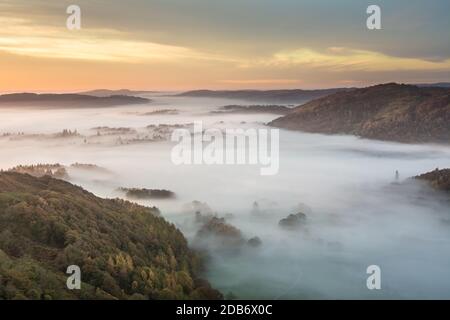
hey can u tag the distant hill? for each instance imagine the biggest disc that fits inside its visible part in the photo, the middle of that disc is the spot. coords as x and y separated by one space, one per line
438 84
67 100
395 112
107 93
239 109
295 96
124 251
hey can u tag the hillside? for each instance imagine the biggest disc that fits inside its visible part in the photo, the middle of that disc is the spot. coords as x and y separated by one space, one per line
437 179
395 112
276 96
437 84
67 100
125 251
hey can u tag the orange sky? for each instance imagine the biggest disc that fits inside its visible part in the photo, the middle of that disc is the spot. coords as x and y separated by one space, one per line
38 53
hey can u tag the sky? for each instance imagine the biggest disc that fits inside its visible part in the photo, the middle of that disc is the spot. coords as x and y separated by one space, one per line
216 44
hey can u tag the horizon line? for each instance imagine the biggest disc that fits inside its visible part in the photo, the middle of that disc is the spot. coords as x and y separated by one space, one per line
81 91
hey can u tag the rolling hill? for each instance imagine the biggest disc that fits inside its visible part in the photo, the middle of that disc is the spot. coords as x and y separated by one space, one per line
395 112
108 93
295 96
67 100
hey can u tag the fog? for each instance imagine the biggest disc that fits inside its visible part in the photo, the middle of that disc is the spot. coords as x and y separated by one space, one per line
357 217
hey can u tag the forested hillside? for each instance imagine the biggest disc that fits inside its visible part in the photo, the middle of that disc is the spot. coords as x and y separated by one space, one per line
125 251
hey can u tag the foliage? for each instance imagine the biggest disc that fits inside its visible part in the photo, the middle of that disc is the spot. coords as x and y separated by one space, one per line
125 251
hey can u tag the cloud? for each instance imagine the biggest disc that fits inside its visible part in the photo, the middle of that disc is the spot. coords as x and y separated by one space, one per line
123 45
346 59
20 37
